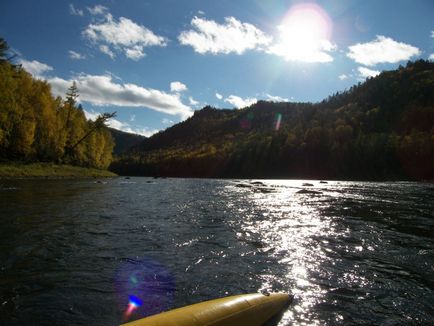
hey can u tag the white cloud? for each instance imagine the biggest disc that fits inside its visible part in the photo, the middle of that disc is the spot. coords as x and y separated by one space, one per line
234 36
76 56
219 96
431 57
432 34
239 102
91 115
365 72
167 121
119 125
276 98
122 126
120 35
106 50
193 101
132 118
59 86
36 68
74 11
135 53
177 86
143 131
381 50
98 10
101 90
113 75
208 36
343 77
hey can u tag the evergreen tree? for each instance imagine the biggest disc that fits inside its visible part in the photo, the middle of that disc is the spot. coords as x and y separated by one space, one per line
72 95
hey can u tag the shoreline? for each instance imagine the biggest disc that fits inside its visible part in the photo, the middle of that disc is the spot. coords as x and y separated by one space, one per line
16 170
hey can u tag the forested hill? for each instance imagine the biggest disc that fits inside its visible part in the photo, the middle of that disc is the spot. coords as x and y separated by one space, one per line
124 141
380 129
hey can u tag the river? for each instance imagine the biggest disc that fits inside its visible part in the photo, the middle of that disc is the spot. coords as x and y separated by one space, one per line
72 252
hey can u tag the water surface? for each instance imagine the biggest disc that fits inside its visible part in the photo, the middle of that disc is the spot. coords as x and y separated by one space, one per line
73 251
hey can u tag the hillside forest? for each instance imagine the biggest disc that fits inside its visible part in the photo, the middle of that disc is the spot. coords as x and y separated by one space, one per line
381 129
36 127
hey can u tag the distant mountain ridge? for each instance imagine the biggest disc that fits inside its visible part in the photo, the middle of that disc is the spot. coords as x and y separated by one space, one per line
380 129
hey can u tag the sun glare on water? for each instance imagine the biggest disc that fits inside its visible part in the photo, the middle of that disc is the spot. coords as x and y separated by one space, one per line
305 35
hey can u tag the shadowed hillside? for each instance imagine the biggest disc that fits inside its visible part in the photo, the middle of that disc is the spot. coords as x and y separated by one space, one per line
380 129
124 141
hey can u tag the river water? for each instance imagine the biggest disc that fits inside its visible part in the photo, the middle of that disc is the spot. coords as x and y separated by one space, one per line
74 252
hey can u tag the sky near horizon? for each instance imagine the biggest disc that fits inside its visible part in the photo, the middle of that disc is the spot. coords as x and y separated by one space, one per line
156 62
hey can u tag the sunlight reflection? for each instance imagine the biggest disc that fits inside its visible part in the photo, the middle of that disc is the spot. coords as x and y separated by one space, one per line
288 231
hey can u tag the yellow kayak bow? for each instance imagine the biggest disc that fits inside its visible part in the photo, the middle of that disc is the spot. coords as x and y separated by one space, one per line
245 309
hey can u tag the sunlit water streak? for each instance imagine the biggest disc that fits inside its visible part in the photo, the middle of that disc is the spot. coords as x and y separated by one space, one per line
288 225
76 251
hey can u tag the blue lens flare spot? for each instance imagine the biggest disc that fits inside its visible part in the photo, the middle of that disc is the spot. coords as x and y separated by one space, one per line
136 302
144 287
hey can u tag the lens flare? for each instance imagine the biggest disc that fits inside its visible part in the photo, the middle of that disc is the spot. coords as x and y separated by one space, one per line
278 121
246 123
144 287
134 301
133 304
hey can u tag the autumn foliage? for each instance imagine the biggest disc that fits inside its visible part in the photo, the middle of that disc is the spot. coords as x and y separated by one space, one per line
36 127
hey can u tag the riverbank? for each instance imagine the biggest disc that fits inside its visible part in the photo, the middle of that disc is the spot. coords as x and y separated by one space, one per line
49 170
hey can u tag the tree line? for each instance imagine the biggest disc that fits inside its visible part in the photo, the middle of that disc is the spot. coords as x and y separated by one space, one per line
37 127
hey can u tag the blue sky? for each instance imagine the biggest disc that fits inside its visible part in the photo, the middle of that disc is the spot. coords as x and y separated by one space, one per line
156 62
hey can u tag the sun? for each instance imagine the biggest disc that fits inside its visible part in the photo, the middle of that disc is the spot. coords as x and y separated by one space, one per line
304 34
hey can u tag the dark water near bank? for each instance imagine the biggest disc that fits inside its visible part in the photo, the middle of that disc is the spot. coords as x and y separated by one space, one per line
71 252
